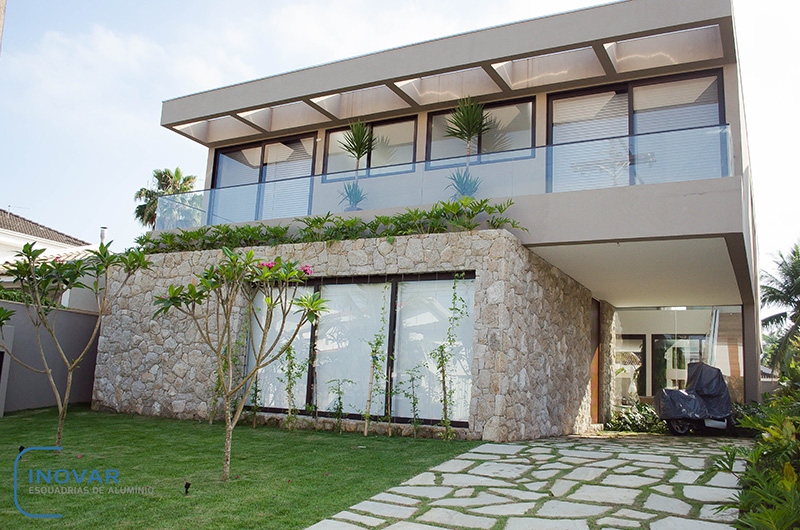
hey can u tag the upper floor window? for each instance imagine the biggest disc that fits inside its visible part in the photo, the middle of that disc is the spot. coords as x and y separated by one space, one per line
510 128
643 132
269 161
394 145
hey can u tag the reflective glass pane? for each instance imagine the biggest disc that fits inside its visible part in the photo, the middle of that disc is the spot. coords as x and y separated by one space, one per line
353 319
272 378
288 159
423 312
630 372
590 117
510 128
443 146
339 159
238 167
394 144
676 105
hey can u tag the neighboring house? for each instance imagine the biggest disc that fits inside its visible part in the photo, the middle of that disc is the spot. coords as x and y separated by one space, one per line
15 231
618 132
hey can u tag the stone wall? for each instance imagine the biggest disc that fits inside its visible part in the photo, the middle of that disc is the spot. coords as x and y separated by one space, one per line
531 337
609 395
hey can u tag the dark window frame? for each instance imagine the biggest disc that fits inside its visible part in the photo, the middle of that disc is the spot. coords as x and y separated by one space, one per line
486 106
368 169
262 145
627 88
394 281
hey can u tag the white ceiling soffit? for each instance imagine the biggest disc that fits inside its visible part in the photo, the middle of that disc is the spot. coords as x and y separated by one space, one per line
679 272
448 86
362 102
551 68
217 129
666 49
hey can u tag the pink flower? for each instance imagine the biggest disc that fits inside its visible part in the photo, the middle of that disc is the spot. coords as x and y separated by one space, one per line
266 264
307 270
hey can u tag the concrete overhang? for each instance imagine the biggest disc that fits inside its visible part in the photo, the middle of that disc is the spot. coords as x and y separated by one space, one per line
604 44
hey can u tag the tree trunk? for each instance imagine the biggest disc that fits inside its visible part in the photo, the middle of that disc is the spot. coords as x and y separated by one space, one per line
226 456
369 397
62 412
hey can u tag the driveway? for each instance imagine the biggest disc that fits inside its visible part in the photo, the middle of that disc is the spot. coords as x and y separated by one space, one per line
564 483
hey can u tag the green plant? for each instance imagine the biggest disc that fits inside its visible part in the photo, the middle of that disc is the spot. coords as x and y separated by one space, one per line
377 359
42 284
409 390
338 403
463 183
214 300
165 182
770 495
782 289
467 122
443 354
292 372
640 417
352 194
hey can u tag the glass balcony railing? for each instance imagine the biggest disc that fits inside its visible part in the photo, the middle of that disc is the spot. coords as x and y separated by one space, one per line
689 154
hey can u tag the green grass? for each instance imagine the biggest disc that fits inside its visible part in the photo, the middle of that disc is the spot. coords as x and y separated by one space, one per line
279 479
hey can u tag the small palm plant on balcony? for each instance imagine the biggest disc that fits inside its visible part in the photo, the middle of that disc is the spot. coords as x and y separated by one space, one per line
358 142
467 122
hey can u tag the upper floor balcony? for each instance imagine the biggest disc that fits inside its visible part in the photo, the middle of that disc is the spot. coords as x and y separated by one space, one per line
644 159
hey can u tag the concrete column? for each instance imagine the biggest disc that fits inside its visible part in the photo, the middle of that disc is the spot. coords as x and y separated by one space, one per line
751 331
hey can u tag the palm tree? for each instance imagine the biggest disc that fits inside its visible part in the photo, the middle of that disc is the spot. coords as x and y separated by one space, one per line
166 183
467 122
783 290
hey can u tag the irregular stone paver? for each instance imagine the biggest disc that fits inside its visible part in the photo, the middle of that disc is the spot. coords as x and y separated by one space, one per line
685 477
452 479
482 499
564 483
708 494
499 449
517 508
453 518
452 466
330 524
633 514
605 494
709 512
495 469
628 481
660 503
626 523
518 494
534 523
396 499
677 523
386 510
561 487
429 492
570 509
724 480
356 518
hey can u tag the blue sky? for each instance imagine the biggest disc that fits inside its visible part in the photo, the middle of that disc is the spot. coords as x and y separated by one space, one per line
82 82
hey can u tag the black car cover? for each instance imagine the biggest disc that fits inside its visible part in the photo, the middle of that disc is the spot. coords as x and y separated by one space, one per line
706 396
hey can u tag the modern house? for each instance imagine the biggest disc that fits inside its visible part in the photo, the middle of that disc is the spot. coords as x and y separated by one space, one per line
619 134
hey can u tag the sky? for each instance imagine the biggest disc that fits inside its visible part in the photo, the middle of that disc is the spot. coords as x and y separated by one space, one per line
81 86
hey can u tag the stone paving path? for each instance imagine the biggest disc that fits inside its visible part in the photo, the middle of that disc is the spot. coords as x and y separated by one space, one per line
565 483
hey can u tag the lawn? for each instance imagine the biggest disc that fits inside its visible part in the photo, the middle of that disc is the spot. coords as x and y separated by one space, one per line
279 479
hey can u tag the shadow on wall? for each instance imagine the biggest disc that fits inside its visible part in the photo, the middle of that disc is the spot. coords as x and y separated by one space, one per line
25 389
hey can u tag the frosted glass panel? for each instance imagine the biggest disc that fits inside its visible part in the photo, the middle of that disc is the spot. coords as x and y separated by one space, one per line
423 309
443 146
271 379
510 128
394 144
235 168
338 158
352 320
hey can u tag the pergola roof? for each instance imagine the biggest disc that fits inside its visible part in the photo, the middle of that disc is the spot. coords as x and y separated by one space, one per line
613 42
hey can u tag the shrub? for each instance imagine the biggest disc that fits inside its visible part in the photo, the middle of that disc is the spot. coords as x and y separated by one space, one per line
641 417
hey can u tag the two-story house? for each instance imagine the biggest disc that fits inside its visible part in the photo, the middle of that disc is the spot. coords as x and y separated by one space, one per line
619 134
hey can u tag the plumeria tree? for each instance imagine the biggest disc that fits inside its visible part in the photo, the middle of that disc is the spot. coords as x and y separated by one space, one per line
256 294
43 283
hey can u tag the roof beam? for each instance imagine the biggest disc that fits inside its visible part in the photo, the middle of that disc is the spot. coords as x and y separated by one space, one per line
607 56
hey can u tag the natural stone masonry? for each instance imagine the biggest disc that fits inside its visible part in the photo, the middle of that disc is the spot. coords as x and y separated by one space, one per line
531 339
612 496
